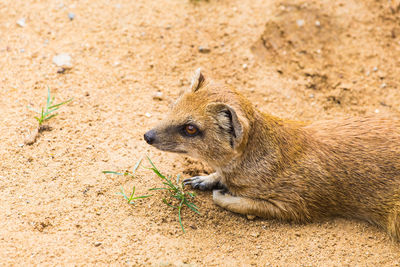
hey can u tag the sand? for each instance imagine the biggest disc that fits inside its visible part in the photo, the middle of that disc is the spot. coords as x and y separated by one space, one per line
303 60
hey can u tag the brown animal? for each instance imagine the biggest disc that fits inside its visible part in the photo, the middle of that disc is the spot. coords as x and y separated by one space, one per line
275 168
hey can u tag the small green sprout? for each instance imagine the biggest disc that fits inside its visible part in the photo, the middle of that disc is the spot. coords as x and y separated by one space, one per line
175 191
44 115
132 197
127 173
48 112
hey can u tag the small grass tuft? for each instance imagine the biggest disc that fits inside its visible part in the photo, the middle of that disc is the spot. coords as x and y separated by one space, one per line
132 197
48 112
175 191
44 115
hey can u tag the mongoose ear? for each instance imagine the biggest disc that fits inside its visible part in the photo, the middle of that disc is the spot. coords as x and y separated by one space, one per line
197 81
229 120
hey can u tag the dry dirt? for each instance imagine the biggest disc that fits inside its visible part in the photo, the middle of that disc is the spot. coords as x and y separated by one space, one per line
304 60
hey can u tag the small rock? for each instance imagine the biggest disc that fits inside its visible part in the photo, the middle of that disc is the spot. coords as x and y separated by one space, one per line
96 244
21 145
250 217
61 70
383 85
148 115
311 95
317 23
255 234
375 69
376 111
71 16
204 49
158 96
21 22
245 67
300 22
63 60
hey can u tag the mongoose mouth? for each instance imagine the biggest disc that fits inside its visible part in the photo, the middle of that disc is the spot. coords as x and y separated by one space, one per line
170 149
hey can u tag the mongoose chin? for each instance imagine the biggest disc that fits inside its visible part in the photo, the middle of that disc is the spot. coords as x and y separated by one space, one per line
275 168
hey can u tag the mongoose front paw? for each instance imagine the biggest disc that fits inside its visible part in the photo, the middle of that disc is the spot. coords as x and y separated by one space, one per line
201 182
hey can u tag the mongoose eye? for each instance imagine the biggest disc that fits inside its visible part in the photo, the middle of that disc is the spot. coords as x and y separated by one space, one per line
191 130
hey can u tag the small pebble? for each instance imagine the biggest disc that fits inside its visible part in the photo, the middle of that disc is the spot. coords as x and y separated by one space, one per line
148 115
383 85
245 66
375 69
255 234
63 60
61 70
21 22
300 22
20 145
71 16
204 49
250 217
96 244
311 95
158 96
317 23
377 111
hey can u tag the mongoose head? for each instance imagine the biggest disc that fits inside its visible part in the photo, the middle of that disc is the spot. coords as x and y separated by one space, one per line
208 121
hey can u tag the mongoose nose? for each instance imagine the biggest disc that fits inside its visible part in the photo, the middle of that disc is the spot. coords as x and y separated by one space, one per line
150 136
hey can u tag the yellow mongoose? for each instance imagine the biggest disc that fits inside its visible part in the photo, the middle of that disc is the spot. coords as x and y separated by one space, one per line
273 168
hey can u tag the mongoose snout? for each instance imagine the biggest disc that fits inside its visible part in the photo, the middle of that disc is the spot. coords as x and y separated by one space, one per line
275 168
150 136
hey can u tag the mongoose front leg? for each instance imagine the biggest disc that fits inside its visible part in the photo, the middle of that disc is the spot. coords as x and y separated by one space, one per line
208 182
261 208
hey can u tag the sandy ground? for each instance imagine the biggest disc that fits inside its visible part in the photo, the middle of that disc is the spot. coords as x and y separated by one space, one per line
304 60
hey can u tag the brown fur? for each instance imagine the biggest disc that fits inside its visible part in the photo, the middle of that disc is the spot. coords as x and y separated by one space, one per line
292 171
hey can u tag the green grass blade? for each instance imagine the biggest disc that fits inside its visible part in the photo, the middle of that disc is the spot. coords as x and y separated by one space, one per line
31 108
140 197
49 117
189 205
111 172
179 215
123 193
158 173
133 193
166 203
192 195
62 103
158 188
48 98
137 165
50 111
